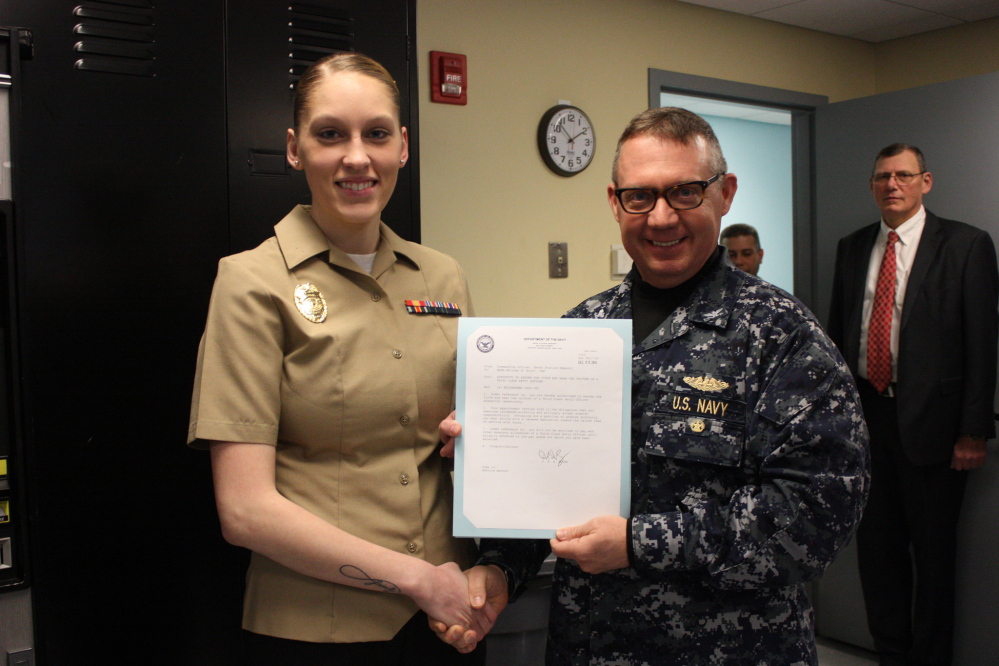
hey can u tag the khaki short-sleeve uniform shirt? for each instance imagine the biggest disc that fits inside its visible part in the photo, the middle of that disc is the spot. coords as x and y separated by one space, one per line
350 388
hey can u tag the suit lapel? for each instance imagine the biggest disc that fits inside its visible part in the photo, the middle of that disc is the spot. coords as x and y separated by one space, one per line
928 244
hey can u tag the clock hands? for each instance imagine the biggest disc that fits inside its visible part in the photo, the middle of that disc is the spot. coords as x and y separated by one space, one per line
573 138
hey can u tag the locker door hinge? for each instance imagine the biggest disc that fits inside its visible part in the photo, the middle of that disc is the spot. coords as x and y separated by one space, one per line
26 44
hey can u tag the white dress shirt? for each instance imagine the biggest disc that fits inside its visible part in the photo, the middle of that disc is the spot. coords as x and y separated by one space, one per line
909 233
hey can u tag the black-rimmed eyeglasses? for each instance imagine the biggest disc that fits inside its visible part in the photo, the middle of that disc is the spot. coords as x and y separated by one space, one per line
684 196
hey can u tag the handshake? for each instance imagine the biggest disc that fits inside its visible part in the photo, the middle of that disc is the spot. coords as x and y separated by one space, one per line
486 591
460 613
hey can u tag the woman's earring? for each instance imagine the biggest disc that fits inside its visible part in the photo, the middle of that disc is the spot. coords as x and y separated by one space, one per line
296 162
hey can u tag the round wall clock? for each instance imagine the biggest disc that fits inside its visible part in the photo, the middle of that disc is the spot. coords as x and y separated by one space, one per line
566 140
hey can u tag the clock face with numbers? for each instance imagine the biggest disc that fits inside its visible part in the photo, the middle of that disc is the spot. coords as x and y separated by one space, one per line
566 140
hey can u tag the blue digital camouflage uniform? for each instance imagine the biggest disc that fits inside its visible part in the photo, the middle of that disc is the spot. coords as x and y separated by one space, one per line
749 475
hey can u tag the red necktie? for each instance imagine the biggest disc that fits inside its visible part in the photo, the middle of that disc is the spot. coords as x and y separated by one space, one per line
879 329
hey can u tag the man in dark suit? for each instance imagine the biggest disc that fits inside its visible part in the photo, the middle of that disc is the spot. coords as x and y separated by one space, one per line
914 311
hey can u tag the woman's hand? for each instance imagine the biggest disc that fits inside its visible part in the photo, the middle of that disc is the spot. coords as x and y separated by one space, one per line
487 589
444 596
449 429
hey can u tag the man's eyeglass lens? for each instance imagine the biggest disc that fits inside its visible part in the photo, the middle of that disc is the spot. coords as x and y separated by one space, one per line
903 177
684 196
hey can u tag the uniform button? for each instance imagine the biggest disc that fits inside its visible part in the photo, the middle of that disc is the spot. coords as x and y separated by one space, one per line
404 419
404 479
396 353
411 547
376 297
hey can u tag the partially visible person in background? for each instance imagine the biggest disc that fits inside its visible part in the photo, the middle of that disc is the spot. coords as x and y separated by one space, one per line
743 244
322 377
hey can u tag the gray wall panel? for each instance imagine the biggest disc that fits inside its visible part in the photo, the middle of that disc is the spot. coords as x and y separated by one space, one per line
956 124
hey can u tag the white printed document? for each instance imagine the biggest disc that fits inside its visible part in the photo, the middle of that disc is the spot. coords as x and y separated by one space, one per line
545 409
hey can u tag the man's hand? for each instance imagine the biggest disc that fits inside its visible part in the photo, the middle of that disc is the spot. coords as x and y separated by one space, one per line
969 453
597 545
488 594
448 429
488 590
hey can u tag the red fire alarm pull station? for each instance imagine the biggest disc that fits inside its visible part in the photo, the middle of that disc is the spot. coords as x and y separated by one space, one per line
448 78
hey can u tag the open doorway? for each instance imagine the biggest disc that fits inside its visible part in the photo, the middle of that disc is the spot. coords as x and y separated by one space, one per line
757 145
766 134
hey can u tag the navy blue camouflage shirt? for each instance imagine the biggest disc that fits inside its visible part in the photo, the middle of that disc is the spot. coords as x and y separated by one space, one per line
749 470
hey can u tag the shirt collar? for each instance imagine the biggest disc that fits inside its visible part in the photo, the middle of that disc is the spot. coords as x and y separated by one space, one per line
300 239
908 232
711 302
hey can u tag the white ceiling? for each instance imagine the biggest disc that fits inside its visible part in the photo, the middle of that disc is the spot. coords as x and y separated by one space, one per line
869 20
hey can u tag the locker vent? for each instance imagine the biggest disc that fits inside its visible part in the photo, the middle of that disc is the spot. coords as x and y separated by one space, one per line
313 32
115 37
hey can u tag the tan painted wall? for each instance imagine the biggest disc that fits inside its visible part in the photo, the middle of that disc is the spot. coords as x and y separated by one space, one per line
941 55
487 198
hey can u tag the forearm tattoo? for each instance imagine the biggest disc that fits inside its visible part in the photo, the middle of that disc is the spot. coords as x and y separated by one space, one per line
354 573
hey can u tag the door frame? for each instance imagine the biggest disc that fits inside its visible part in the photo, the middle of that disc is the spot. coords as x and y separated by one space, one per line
802 108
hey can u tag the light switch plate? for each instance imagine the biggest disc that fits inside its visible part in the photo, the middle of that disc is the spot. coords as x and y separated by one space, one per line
558 260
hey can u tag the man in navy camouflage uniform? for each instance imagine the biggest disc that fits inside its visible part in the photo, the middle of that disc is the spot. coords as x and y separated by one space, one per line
749 450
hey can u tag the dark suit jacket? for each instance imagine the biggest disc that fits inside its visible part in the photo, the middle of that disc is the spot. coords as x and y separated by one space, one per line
948 335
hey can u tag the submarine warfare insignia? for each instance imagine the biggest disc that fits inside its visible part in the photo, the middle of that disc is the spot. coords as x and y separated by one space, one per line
310 302
705 383
433 307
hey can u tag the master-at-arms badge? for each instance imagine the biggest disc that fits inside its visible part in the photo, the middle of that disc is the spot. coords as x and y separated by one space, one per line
310 302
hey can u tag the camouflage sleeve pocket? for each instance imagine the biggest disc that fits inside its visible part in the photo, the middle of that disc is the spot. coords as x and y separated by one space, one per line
798 384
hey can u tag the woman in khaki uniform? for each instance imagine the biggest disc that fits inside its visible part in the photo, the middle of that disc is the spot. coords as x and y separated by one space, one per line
322 377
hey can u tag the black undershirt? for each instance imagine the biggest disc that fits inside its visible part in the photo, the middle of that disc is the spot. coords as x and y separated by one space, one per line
650 305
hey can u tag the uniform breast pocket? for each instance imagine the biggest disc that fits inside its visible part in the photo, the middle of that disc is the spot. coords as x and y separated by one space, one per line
697 427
